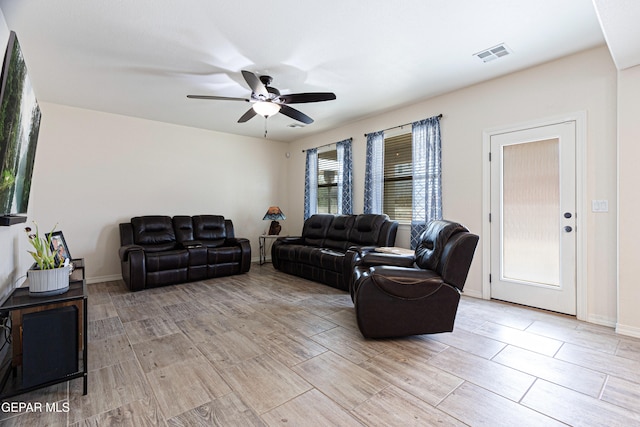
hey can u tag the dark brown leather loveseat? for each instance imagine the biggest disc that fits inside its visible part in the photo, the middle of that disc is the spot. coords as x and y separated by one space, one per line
160 250
320 253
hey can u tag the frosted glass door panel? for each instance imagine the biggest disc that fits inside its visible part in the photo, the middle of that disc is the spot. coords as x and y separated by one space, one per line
531 212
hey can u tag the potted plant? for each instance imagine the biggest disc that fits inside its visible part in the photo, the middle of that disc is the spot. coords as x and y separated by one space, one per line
49 275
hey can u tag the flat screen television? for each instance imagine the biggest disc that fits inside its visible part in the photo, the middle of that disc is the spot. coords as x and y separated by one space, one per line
19 126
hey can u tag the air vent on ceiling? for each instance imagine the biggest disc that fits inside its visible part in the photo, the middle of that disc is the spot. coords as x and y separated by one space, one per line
493 53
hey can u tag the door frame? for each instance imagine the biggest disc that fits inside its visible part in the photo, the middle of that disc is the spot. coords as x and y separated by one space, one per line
580 118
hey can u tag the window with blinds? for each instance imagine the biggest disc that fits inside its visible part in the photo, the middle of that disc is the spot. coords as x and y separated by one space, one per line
397 197
328 182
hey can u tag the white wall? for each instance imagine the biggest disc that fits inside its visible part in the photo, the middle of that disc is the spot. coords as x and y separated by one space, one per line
94 170
581 82
629 201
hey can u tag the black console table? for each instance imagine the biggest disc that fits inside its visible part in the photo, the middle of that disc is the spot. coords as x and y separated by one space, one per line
16 376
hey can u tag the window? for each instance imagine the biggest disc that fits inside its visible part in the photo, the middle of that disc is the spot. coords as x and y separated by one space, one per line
328 182
398 177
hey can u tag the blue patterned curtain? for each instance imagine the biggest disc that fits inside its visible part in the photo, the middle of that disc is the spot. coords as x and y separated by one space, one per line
311 183
345 181
427 176
374 173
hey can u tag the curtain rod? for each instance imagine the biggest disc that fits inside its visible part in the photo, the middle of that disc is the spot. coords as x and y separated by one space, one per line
400 126
326 145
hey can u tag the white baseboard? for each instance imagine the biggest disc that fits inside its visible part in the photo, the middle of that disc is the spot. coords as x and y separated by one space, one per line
473 294
601 320
100 279
632 331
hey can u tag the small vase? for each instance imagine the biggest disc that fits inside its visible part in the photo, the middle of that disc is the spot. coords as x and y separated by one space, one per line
44 283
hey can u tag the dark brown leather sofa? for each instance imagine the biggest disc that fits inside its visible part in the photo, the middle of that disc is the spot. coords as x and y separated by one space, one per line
160 250
320 253
397 295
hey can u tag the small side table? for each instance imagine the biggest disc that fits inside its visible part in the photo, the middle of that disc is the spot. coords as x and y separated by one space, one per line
263 245
19 304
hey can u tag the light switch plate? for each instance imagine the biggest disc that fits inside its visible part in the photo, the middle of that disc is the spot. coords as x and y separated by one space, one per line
600 206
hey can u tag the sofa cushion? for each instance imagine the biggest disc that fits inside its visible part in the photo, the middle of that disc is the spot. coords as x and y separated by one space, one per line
366 230
167 260
306 255
209 230
183 227
315 229
285 252
154 233
225 254
339 231
329 259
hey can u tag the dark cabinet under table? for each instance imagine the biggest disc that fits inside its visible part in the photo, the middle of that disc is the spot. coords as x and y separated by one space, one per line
48 337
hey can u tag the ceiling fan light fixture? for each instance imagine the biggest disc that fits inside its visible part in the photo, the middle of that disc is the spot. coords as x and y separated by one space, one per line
266 108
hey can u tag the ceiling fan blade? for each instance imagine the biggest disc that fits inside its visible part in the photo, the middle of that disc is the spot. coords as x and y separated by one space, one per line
254 83
300 98
295 114
219 98
248 115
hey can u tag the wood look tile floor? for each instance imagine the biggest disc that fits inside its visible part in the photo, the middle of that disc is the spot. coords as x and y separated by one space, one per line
266 348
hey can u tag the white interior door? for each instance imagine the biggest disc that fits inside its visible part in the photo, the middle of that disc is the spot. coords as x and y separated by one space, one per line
533 224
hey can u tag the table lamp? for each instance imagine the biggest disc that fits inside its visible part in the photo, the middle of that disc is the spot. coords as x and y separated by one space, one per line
274 214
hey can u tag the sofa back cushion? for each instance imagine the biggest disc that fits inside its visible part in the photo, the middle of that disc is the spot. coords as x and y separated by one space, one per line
315 229
433 241
209 229
366 229
339 232
154 233
183 227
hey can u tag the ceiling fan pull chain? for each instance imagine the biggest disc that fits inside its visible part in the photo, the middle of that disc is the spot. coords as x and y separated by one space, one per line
265 126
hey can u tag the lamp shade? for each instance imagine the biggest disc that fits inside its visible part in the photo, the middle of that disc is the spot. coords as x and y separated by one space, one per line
274 214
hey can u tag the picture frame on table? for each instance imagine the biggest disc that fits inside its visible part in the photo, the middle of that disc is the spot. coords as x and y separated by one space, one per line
59 246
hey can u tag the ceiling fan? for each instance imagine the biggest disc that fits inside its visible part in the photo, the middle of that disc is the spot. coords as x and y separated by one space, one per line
267 101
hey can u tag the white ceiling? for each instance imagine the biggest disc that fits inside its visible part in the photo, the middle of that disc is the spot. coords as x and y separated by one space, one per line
141 58
619 20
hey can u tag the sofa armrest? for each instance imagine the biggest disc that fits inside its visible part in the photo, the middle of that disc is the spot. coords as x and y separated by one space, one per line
132 262
187 244
235 241
125 251
403 283
361 250
379 258
291 240
352 260
359 259
354 255
245 249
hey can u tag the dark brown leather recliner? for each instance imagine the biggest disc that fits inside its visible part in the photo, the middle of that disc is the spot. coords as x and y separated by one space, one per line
396 295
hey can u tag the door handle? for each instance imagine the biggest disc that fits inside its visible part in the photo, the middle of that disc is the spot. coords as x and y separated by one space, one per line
568 229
